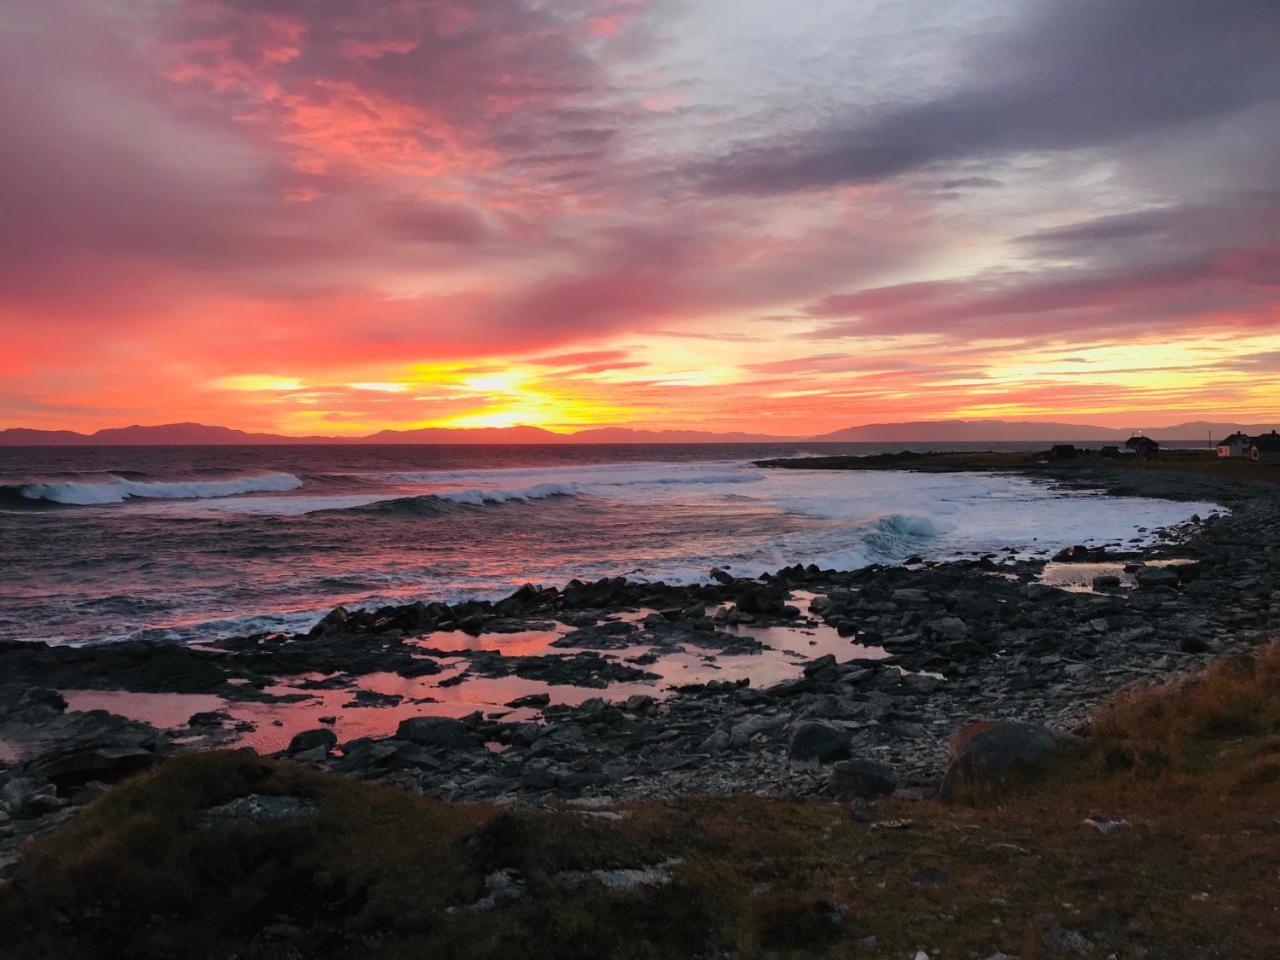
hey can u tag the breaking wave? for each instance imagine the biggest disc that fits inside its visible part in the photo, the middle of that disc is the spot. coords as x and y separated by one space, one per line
118 489
436 504
906 525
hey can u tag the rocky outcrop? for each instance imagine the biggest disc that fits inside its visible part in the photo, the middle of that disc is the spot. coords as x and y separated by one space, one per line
986 755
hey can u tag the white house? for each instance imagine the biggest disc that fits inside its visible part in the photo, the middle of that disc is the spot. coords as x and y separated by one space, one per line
1236 445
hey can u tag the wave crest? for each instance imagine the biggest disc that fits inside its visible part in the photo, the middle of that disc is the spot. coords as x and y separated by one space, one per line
436 504
118 489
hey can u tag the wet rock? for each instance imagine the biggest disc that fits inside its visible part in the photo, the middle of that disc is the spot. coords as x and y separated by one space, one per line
372 698
822 667
763 600
1080 554
208 718
986 754
333 621
816 740
861 779
419 667
436 732
531 700
309 740
640 703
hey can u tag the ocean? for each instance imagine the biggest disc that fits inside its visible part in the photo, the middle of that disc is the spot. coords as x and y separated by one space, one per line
193 543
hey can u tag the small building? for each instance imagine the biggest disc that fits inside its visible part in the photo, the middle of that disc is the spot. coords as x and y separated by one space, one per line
1266 448
1236 445
1111 453
1144 448
1063 451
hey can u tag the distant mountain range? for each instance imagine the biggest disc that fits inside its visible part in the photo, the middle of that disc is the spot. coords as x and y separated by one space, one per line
914 432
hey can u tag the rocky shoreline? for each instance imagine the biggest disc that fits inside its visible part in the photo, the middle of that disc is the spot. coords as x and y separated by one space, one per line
931 646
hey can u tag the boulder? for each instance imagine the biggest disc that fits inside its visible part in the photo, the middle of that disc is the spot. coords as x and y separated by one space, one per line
763 600
988 754
530 700
309 740
815 740
332 622
862 779
436 732
1193 643
1157 577
821 667
948 629
1080 554
36 699
74 767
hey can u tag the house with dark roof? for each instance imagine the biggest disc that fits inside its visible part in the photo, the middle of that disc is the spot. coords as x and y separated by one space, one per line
1144 448
1266 448
1236 445
1063 451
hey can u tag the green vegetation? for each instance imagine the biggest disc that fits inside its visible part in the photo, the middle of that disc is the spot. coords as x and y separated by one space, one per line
1193 769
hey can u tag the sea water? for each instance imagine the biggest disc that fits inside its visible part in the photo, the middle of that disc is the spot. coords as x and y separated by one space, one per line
191 543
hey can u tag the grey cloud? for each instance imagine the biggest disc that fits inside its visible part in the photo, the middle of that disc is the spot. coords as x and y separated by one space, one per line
1078 74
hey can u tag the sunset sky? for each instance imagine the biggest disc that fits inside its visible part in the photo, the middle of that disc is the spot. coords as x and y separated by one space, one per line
336 216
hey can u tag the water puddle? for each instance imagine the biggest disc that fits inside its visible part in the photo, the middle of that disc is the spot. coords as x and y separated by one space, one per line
1080 577
373 705
163 710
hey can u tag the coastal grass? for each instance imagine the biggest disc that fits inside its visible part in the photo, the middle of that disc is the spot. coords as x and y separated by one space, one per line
1183 779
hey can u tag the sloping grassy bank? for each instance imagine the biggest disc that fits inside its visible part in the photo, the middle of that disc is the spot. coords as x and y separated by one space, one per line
1180 858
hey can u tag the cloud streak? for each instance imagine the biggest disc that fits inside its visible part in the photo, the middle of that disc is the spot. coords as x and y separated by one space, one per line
655 212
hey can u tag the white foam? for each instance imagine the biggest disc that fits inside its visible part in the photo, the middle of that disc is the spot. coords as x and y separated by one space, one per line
539 491
118 489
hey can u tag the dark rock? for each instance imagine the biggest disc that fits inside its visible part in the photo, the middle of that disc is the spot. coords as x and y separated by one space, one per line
208 718
1157 577
310 740
639 703
821 667
719 576
419 667
815 740
1080 554
436 732
1194 644
70 768
986 754
862 779
257 809
768 600
39 698
530 700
